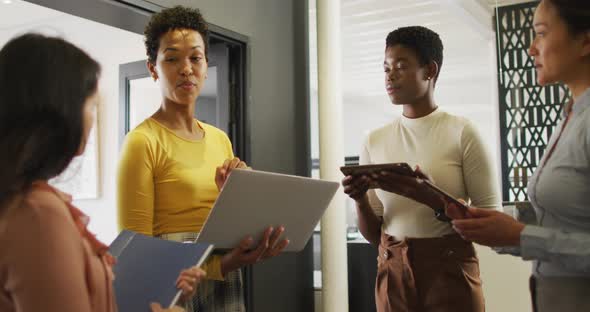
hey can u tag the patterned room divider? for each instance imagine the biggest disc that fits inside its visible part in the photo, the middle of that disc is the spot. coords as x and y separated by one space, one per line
528 112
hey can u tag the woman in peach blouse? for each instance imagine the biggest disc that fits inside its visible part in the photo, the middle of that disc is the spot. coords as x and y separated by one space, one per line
48 260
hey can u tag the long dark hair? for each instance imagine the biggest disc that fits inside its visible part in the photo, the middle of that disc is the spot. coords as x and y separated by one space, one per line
575 13
44 83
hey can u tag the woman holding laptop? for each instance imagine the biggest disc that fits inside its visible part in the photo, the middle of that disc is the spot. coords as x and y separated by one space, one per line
173 165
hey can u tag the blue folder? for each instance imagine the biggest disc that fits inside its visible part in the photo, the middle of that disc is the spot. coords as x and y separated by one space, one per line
147 269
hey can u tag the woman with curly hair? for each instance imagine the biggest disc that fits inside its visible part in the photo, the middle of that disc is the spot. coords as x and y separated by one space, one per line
173 165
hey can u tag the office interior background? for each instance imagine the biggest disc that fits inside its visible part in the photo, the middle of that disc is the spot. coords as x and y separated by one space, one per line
263 90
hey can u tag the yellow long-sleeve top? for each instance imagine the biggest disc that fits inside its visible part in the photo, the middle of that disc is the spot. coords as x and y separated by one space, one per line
166 183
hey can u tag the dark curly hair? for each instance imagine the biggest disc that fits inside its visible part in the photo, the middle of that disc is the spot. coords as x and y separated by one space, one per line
423 41
575 14
178 17
44 84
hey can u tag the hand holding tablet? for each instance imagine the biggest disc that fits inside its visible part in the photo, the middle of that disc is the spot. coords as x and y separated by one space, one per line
405 170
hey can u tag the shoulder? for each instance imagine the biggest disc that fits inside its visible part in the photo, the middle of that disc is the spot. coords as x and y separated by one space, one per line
38 214
213 131
215 134
144 135
454 120
381 133
459 125
43 203
146 130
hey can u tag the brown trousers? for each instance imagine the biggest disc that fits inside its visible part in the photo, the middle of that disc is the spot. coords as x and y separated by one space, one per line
438 274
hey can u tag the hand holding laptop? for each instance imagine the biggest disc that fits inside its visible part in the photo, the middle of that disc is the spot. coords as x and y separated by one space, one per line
251 201
222 172
246 253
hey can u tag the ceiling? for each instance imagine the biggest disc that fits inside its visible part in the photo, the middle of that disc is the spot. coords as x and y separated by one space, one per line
17 13
365 24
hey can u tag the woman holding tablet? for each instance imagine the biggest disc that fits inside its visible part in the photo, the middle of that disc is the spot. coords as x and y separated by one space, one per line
422 265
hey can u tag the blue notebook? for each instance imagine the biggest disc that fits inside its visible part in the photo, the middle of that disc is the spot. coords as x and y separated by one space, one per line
147 269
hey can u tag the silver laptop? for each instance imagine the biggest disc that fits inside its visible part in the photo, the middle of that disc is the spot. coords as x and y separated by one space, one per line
251 201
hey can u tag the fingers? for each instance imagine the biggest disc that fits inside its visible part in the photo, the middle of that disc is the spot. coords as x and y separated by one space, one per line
156 307
354 180
235 163
274 238
258 253
469 235
187 288
245 244
481 213
220 177
226 163
242 165
421 173
276 250
220 173
356 187
243 254
395 183
392 177
275 247
262 246
454 212
188 281
470 224
234 259
191 275
269 246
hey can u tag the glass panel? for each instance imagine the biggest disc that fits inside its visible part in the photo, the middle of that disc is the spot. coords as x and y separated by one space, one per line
207 109
144 100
